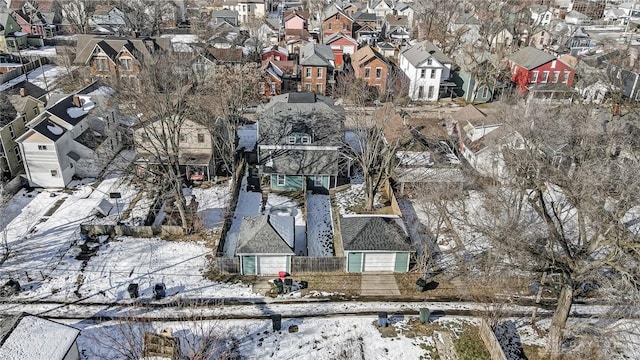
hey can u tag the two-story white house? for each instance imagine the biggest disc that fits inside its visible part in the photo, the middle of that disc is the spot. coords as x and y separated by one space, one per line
247 9
427 68
541 15
78 135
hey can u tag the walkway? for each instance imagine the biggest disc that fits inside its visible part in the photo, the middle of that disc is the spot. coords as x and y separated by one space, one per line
379 284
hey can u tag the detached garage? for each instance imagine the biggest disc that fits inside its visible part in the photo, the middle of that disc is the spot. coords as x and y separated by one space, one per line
265 244
375 244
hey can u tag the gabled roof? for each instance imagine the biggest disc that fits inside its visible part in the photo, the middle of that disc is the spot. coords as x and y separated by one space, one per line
266 234
466 19
338 36
530 57
29 337
49 129
224 14
296 13
365 54
420 52
312 54
111 45
364 16
224 55
334 9
277 48
373 233
469 113
397 20
111 52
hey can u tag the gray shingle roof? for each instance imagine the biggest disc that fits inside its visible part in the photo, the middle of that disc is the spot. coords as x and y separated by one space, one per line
530 57
418 53
374 233
142 46
264 234
313 54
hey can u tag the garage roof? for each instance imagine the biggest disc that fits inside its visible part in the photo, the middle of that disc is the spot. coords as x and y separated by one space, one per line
265 234
374 233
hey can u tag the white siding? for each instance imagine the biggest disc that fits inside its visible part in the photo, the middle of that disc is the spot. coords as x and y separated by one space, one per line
379 261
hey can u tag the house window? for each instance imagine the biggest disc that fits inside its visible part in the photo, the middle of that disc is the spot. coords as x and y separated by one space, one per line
423 73
273 88
429 61
378 73
54 173
420 92
317 180
344 27
126 64
556 76
319 88
183 138
367 73
11 132
319 73
566 76
291 139
101 64
306 140
433 73
307 87
485 92
16 150
542 42
200 138
431 91
281 180
534 76
42 147
329 27
308 70
545 76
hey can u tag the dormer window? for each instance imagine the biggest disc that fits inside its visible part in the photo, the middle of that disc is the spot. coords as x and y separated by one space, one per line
306 140
101 64
291 140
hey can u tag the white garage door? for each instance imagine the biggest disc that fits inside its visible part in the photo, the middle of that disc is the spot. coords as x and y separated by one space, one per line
348 49
271 265
379 261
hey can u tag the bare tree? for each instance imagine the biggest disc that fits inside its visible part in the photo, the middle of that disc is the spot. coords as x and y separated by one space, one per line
78 13
225 93
574 181
162 100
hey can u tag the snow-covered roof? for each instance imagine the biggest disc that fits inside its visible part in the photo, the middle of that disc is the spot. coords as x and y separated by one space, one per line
34 338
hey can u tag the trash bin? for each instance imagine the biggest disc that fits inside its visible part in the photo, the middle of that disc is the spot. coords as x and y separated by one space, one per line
276 320
288 283
278 284
421 284
382 319
303 284
159 291
425 313
133 290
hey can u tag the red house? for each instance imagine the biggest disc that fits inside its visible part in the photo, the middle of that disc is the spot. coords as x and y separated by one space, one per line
533 66
275 52
341 45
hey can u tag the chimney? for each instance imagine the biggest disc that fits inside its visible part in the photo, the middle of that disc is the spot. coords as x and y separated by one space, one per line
76 101
23 92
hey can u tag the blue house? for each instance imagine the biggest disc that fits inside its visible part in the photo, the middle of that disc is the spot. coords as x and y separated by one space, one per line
471 85
299 141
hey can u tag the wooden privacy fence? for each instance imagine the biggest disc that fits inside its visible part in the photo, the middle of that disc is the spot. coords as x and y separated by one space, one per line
163 231
491 342
317 264
229 265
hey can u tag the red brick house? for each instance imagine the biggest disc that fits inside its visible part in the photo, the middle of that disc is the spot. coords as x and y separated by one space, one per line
370 66
317 63
275 52
278 77
335 21
341 44
533 66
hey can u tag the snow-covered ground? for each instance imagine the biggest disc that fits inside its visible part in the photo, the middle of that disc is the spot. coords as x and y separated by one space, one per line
36 77
212 204
279 204
319 225
347 199
247 137
249 204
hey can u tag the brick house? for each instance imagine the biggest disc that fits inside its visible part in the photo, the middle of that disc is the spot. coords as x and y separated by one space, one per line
335 21
533 66
317 63
295 20
341 45
370 66
116 59
275 52
278 77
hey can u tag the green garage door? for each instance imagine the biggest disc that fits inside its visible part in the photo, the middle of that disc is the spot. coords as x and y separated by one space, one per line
248 265
354 262
402 262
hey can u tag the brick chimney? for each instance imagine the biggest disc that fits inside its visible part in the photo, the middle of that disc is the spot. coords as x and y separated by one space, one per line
76 101
23 92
